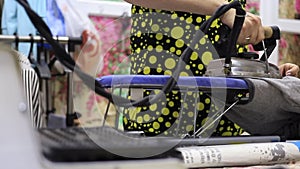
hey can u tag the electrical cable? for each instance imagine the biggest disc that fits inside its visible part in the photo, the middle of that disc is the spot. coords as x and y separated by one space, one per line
90 81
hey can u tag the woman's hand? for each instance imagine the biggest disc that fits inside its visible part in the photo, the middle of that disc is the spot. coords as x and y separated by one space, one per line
288 69
89 58
252 31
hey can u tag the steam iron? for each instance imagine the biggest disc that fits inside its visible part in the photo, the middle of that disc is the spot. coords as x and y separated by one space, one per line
248 64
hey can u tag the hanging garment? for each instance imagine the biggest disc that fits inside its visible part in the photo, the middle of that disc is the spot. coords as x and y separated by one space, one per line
31 88
15 20
89 57
75 20
55 19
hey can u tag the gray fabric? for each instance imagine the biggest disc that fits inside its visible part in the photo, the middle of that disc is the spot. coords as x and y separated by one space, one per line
275 108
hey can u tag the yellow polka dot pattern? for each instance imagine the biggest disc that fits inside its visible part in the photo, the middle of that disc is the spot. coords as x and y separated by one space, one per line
158 38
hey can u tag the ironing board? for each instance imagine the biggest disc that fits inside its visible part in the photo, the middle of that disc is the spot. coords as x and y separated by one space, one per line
235 87
229 90
159 80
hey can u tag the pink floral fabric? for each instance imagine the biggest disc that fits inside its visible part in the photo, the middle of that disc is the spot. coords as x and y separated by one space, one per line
114 35
103 52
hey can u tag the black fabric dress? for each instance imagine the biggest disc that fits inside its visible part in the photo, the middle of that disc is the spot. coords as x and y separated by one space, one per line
158 38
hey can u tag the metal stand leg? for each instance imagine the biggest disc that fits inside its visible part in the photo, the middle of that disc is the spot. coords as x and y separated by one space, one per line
212 120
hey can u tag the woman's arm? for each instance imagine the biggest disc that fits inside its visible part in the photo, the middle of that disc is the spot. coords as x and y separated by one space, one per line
251 33
204 7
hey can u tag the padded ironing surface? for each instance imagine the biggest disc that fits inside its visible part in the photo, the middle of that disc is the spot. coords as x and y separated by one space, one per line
234 87
160 80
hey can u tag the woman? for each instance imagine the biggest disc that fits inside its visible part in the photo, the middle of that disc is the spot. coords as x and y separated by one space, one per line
161 30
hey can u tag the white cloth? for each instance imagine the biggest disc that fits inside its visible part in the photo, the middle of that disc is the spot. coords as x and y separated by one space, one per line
76 21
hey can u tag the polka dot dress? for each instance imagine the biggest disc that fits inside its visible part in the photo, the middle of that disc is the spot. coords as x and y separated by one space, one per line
158 38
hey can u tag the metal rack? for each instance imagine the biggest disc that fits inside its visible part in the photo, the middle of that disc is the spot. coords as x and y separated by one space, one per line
36 39
44 76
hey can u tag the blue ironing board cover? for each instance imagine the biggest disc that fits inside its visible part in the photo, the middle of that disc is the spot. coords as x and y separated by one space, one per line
160 80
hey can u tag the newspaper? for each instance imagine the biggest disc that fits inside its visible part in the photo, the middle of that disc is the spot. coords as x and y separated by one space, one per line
241 154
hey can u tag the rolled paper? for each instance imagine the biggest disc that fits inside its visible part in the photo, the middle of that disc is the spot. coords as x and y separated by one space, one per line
240 154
